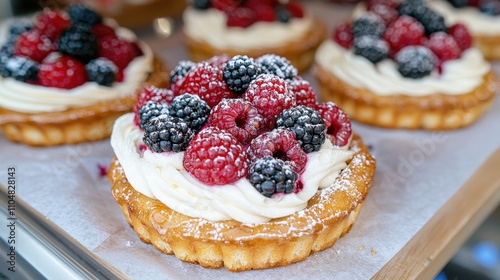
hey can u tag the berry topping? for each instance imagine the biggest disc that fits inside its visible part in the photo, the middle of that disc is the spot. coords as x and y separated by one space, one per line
19 27
283 14
202 4
215 157
225 5
461 35
371 47
239 72
368 24
151 93
415 61
178 73
62 72
307 124
21 68
281 144
491 7
443 46
241 17
102 30
78 43
82 14
191 109
304 93
270 175
263 12
411 8
386 13
119 51
165 134
295 9
52 23
277 65
338 125
219 61
405 31
343 35
34 45
237 117
150 110
431 20
102 71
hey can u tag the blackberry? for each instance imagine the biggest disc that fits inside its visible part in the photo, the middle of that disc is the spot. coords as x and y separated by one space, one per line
368 24
459 3
102 71
411 7
180 70
239 72
431 20
283 14
191 108
270 175
372 48
165 133
277 65
491 8
21 68
307 124
415 61
202 4
6 52
78 43
19 27
150 110
81 14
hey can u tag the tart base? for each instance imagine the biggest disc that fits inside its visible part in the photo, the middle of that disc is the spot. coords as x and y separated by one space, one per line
75 125
300 52
433 112
329 215
488 45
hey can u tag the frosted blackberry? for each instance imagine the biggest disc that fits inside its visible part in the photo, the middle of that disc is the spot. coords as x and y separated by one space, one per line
431 20
270 175
202 4
81 14
6 52
78 43
283 14
180 70
368 24
102 71
191 108
21 68
165 133
277 65
372 48
307 124
491 8
411 7
19 27
150 110
239 72
415 61
459 3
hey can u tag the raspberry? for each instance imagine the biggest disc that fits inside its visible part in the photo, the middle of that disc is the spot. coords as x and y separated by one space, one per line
239 72
389 3
22 69
119 51
343 35
52 23
270 95
151 93
178 73
443 46
263 12
219 61
239 118
368 24
283 14
150 110
278 143
415 61
191 109
270 176
338 125
405 31
102 30
201 4
62 72
34 45
241 17
205 81
165 134
78 43
295 9
458 3
474 3
215 157
491 8
461 35
431 20
82 14
277 65
101 71
386 13
226 6
304 93
372 48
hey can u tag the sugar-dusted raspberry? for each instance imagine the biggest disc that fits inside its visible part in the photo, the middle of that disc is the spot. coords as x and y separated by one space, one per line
102 71
281 144
338 125
62 72
295 9
102 30
371 47
82 14
205 81
191 109
21 68
386 13
431 20
215 157
226 6
78 43
277 65
151 93
119 51
178 73
165 134
52 23
474 3
389 3
34 45
304 93
239 72
270 95
443 46
405 31
238 117
271 175
263 12
342 35
150 110
241 17
219 61
415 61
461 35
368 24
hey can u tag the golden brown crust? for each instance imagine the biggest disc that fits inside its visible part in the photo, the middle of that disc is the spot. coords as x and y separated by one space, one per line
328 216
434 112
76 125
488 45
300 52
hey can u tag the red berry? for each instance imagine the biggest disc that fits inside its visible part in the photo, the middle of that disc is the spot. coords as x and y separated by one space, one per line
238 117
62 72
34 45
119 51
386 13
279 143
52 23
461 35
474 3
405 31
225 5
102 30
343 35
215 157
151 93
338 125
219 61
295 9
264 13
389 3
304 93
241 17
443 46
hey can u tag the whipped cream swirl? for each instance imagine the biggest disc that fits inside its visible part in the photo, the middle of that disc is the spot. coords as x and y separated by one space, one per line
162 176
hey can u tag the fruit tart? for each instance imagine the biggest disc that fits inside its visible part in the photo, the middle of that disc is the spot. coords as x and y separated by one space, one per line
253 27
397 65
238 167
68 74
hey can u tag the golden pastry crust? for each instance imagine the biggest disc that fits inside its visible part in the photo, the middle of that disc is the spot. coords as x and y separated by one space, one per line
433 112
488 45
329 215
76 125
300 52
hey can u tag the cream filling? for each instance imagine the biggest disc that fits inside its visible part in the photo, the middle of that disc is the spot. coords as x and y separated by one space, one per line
162 176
